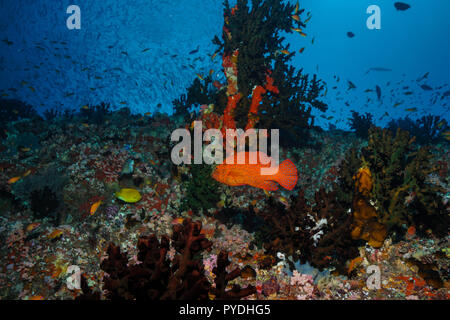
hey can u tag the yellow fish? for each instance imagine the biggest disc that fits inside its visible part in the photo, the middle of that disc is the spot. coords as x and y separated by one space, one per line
26 173
13 180
95 206
128 195
85 107
284 201
25 149
200 76
85 125
296 8
297 30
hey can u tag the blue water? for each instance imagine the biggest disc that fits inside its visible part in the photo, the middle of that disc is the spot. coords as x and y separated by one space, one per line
136 53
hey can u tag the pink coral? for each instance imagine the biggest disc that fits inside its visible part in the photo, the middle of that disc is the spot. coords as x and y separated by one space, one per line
304 284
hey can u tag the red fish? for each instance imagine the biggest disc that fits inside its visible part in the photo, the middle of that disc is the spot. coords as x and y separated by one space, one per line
250 174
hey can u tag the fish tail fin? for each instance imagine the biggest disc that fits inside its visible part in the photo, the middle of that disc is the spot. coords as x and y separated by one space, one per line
287 175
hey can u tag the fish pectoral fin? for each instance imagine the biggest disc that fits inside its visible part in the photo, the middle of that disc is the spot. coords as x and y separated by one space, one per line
267 185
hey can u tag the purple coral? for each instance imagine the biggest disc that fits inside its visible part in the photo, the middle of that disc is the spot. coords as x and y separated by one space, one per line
111 211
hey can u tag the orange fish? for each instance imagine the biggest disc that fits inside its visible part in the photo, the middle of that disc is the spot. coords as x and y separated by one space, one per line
296 17
32 226
411 231
353 264
13 180
95 206
36 298
301 50
285 52
55 234
250 174
177 221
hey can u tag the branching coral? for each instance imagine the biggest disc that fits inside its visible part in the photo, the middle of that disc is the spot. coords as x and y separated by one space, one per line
389 192
399 168
319 233
427 129
254 33
255 96
223 277
158 277
361 123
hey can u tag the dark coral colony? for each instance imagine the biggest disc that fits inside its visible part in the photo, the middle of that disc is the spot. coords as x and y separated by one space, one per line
95 189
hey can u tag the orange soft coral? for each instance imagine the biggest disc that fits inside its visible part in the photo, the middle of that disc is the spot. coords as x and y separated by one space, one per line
365 224
364 182
228 114
269 84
